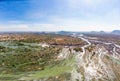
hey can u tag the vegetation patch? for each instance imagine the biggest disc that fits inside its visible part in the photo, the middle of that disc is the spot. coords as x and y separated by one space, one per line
66 66
21 55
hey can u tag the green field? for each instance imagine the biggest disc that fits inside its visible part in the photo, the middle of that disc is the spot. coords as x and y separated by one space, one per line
65 66
29 61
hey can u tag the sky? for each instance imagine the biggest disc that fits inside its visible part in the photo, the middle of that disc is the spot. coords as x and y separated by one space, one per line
57 15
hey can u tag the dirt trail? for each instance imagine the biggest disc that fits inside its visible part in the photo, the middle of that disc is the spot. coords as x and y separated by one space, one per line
94 68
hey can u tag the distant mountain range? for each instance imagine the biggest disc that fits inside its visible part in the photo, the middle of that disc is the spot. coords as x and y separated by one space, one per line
117 32
70 32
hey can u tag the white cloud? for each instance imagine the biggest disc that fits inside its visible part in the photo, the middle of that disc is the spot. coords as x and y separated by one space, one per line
29 27
76 4
43 27
32 14
93 24
79 26
13 27
112 16
88 2
93 2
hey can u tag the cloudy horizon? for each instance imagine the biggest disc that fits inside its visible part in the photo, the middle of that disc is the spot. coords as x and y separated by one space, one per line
57 15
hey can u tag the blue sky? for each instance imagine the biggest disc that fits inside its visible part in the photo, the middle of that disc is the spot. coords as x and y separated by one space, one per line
56 15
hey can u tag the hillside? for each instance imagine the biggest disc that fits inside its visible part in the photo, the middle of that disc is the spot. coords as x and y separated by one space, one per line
117 32
53 57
